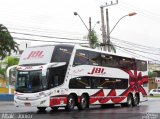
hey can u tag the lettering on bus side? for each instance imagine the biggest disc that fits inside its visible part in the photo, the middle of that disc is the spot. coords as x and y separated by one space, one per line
35 54
97 71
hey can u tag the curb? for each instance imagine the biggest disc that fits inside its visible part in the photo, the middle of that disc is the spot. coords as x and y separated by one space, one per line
6 97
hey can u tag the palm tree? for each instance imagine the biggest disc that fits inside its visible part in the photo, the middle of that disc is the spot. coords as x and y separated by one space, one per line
7 44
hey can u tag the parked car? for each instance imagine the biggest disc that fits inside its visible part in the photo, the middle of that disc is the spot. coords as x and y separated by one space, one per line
154 92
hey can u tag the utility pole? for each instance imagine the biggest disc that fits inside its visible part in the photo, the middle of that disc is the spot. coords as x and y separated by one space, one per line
104 35
108 31
90 30
103 29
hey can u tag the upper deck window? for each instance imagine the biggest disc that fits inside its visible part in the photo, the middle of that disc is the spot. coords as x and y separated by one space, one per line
84 57
81 58
141 65
62 54
94 58
109 60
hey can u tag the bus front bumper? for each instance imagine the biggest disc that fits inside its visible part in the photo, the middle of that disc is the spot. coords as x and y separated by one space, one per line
39 102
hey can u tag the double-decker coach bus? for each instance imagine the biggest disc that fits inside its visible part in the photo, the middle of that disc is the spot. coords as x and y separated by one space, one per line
69 75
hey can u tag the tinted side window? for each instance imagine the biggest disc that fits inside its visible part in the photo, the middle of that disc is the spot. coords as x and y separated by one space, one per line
127 63
62 54
81 58
95 82
80 83
105 59
98 83
110 60
141 65
94 58
109 83
56 76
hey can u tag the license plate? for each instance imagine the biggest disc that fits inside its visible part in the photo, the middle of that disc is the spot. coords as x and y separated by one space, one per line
27 104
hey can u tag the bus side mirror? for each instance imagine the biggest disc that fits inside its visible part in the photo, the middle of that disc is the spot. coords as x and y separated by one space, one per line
8 71
9 77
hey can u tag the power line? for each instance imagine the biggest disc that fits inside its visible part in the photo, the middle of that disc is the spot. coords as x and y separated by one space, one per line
119 47
86 40
83 40
42 30
47 36
138 54
136 45
17 38
142 12
136 50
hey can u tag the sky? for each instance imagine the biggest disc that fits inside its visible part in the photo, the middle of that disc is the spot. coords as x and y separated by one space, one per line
136 35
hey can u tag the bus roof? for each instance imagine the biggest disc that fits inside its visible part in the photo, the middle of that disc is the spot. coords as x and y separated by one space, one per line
86 48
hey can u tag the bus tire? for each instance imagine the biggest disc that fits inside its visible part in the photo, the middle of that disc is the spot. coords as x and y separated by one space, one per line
70 103
129 101
41 108
83 102
136 100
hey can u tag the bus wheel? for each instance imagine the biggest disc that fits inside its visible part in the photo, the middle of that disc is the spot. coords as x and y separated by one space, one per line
136 100
70 103
41 108
54 108
129 101
83 102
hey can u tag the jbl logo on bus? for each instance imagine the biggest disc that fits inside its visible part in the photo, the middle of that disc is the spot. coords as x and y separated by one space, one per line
35 54
98 70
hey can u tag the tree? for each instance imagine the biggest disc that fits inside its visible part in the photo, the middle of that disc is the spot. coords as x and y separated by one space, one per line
93 39
7 44
7 62
151 74
92 36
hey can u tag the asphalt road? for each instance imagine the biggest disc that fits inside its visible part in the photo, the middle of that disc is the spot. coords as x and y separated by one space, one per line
146 110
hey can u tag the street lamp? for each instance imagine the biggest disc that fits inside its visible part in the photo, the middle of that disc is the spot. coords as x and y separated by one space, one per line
130 14
90 29
75 13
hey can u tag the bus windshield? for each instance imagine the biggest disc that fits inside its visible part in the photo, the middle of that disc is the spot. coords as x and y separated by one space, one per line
30 81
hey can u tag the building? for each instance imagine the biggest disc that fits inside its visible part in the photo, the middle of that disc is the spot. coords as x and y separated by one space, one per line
154 69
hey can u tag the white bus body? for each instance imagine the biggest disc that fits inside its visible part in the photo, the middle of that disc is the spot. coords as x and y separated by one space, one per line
68 76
